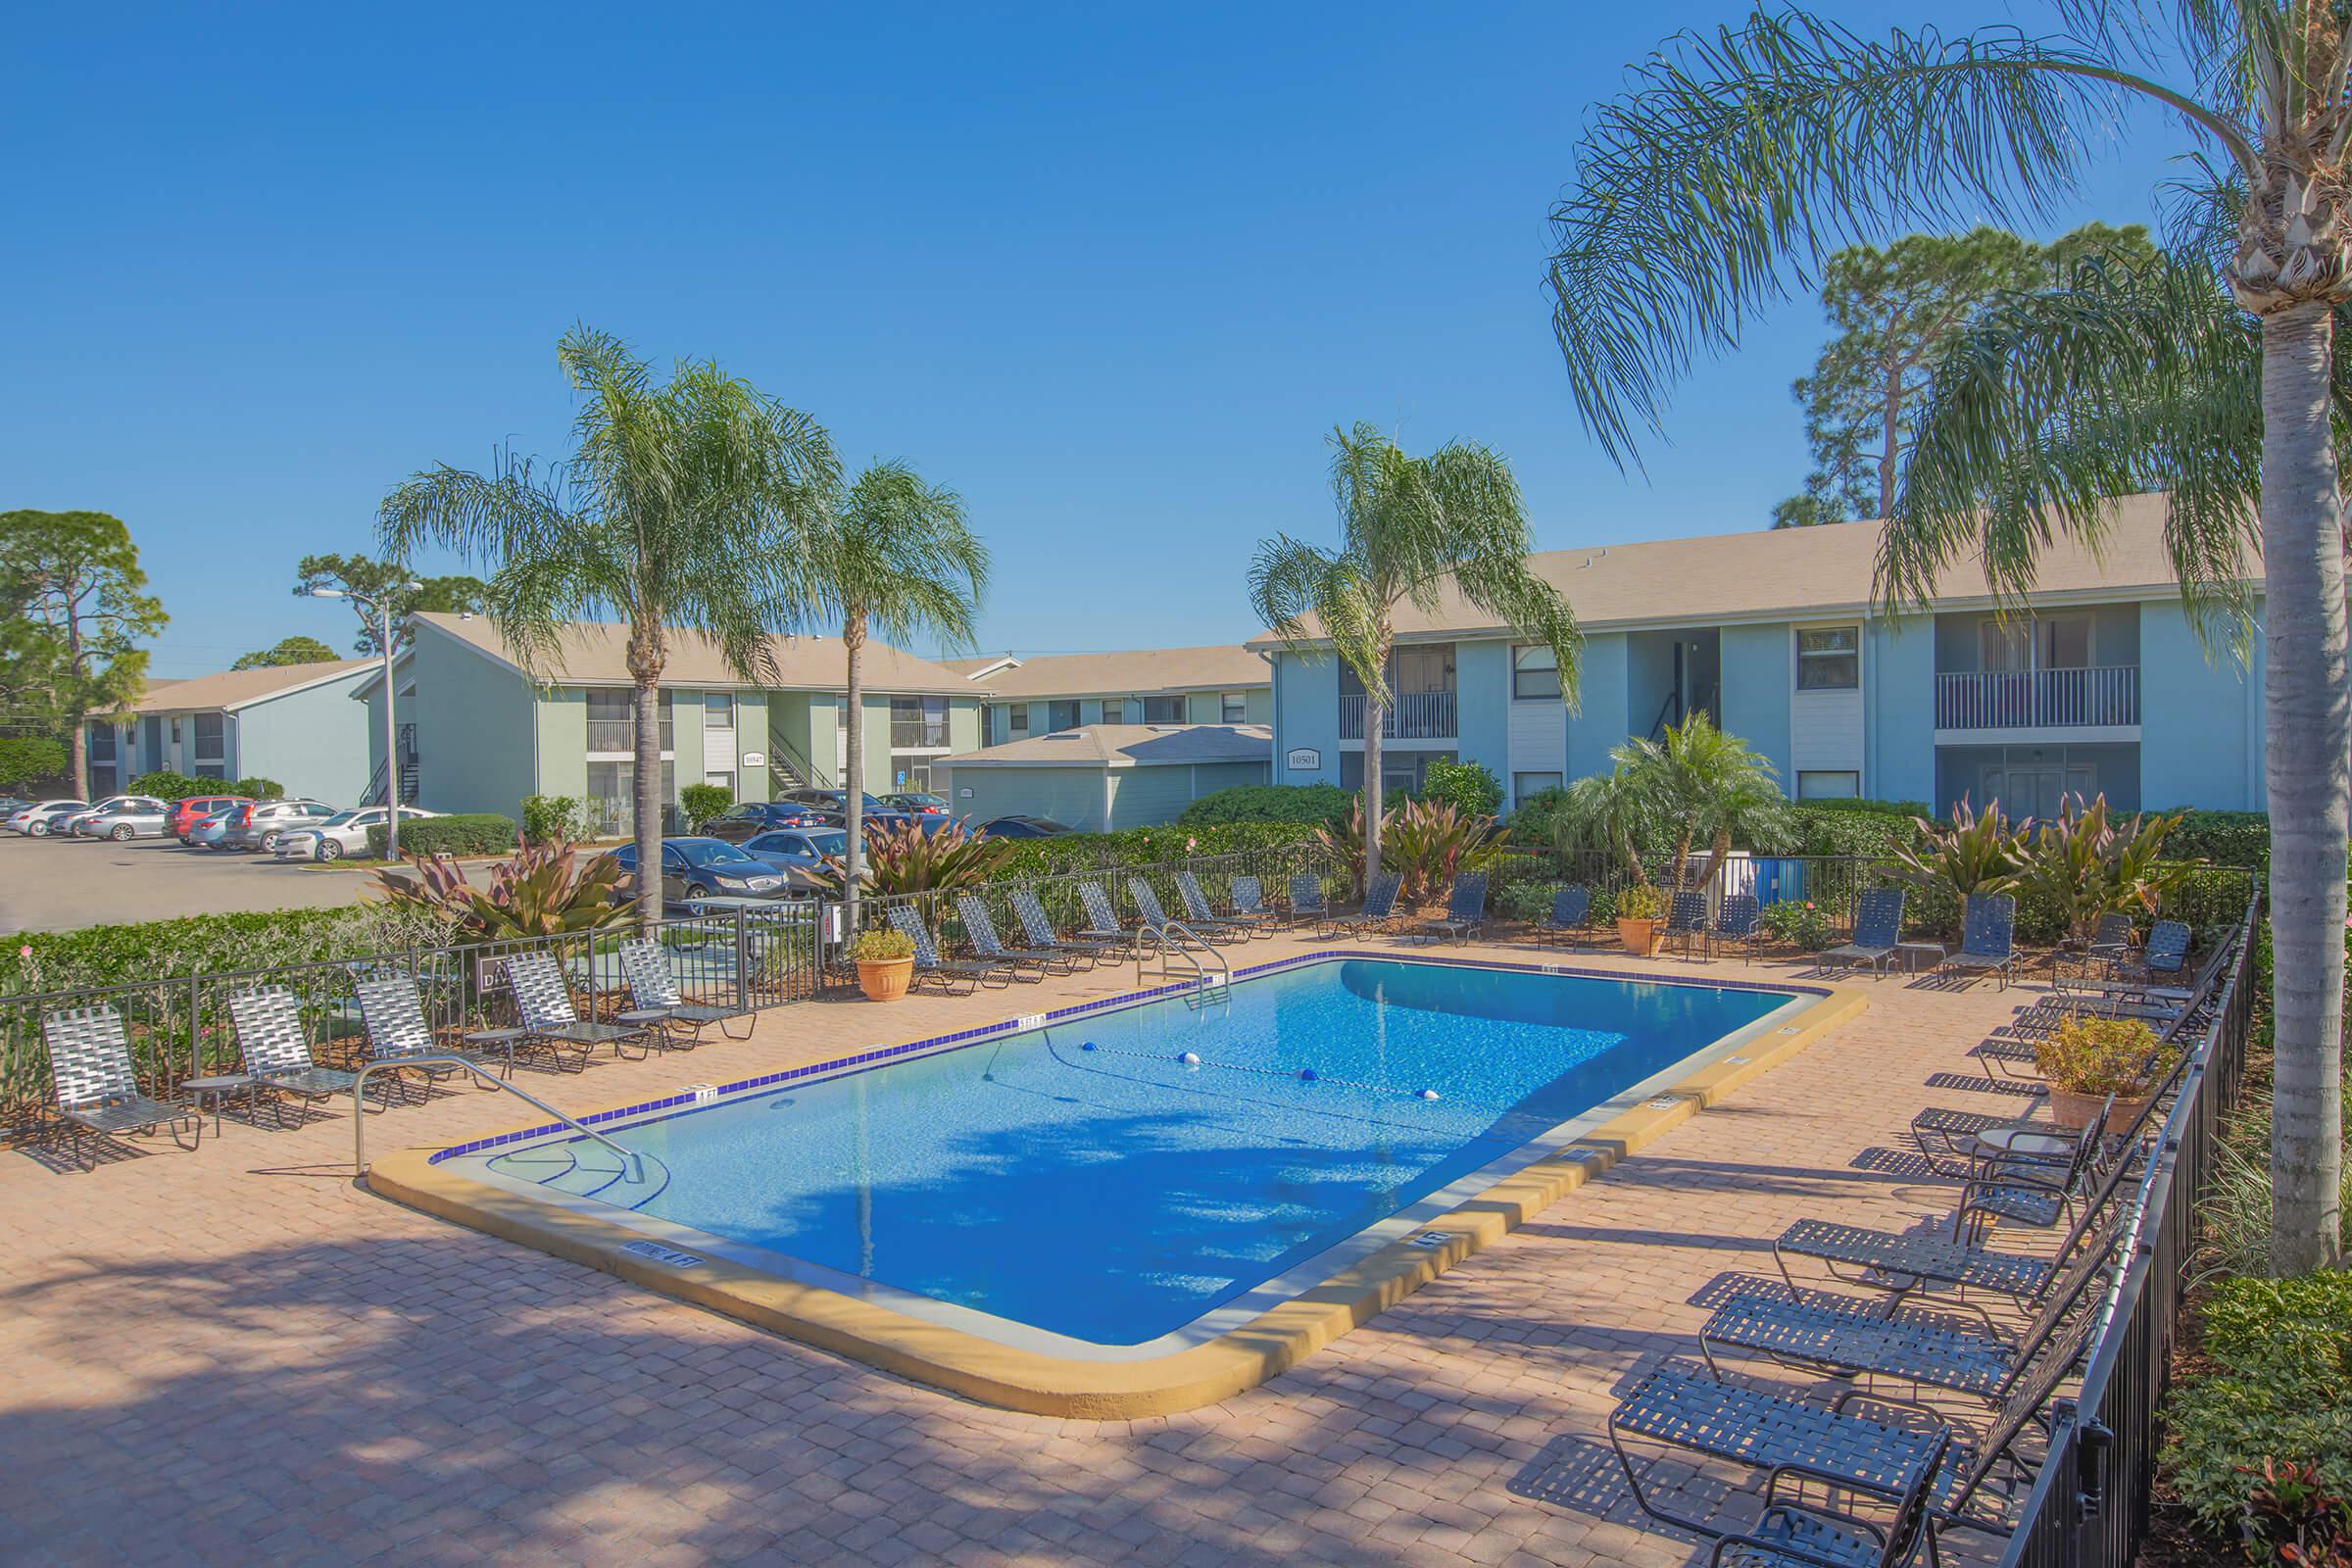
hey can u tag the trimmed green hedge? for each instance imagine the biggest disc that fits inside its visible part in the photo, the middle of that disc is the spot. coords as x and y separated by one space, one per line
1143 846
468 833
2226 838
156 949
1315 804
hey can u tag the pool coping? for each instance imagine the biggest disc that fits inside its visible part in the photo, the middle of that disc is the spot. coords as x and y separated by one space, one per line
1041 1384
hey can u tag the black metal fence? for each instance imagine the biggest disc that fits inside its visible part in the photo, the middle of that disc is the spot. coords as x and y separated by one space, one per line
2091 1501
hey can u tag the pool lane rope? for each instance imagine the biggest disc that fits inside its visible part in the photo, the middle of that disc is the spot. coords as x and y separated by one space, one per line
1307 1075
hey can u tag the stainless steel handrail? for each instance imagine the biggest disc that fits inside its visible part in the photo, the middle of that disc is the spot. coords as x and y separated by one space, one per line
358 1109
1199 970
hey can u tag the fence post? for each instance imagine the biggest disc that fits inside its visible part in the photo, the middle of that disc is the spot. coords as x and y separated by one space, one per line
743 959
195 1027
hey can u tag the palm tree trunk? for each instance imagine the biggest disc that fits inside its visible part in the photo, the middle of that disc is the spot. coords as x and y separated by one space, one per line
2308 724
1375 716
645 713
852 790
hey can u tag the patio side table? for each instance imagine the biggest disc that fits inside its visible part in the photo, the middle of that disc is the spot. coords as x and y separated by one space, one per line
1918 957
217 1089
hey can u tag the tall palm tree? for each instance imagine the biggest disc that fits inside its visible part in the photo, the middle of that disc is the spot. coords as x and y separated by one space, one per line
1705 785
1410 529
676 510
1738 160
896 558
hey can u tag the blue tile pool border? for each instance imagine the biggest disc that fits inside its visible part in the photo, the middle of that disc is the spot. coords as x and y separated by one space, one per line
1029 1021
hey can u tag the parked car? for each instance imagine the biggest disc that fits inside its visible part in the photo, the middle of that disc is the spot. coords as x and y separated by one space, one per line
263 824
39 819
344 833
196 807
143 817
700 868
799 852
74 824
749 818
836 803
918 802
212 833
1024 827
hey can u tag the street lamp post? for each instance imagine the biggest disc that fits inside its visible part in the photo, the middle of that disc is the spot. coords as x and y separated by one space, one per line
382 610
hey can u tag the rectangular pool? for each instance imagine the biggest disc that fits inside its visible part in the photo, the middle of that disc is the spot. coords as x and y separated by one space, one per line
1146 1177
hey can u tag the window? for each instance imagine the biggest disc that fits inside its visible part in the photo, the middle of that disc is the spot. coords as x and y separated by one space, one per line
1163 710
1828 659
208 740
2063 642
725 781
1535 672
612 726
919 721
175 729
1019 720
1115 711
718 709
1526 785
102 743
209 771
1831 785
1062 715
1233 707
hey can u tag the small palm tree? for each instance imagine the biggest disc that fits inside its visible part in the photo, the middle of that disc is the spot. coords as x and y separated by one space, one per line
1707 785
1740 159
677 509
1613 811
895 558
1410 529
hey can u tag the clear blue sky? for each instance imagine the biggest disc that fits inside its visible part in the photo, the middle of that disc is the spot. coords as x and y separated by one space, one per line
1110 271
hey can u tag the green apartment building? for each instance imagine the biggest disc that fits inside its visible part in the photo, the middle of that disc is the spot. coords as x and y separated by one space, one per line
476 734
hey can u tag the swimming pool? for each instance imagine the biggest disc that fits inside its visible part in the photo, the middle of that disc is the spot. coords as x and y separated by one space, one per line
1142 1177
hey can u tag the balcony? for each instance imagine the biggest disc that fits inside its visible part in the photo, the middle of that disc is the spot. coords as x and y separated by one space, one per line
2095 696
918 734
620 735
1414 716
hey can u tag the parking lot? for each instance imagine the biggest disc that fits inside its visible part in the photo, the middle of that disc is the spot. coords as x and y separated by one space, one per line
58 885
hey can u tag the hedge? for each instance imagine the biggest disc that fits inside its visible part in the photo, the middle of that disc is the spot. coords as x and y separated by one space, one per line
158 949
1315 804
468 833
1068 853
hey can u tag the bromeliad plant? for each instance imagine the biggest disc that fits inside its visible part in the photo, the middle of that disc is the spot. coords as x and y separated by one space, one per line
908 860
546 890
2084 866
1974 855
1427 843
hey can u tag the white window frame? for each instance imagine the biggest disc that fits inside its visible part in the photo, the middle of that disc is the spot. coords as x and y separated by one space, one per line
1806 794
1519 668
1233 707
1854 654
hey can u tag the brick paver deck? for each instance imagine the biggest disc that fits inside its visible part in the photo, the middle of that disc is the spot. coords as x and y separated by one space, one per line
240 1355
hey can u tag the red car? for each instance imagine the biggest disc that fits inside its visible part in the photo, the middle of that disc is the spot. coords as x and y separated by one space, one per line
195 809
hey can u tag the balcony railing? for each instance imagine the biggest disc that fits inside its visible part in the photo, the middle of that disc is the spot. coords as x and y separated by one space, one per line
620 735
914 734
2039 699
1413 716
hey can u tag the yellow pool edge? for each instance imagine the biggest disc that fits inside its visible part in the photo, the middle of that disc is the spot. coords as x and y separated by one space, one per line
1046 1384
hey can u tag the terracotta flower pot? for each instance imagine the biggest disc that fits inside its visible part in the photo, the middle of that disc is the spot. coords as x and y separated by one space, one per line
1641 937
2072 1110
885 979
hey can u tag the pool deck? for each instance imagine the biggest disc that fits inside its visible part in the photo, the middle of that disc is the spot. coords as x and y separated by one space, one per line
242 1356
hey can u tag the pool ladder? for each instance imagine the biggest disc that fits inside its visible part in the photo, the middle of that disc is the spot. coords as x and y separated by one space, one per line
1175 939
630 1164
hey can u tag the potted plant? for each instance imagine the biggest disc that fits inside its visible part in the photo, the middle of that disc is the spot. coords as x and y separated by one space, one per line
885 964
1639 908
2087 1060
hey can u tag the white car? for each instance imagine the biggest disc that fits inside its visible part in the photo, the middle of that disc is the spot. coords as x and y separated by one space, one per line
267 821
39 819
125 816
344 833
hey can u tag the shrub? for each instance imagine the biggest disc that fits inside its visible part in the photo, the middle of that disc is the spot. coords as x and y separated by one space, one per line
2284 1349
908 860
30 759
166 785
882 943
544 890
553 820
1846 827
1800 923
703 801
260 789
154 949
1312 804
1528 903
1470 788
1639 902
467 833
2103 1057
2226 838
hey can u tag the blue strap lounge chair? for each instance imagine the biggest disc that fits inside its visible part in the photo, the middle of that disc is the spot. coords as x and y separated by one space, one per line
1377 911
1878 927
1571 917
1248 895
1201 919
1308 906
1156 919
1739 924
1686 921
1465 909
1988 937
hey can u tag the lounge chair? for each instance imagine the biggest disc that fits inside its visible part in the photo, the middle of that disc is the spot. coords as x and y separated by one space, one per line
1248 899
1197 912
1571 917
1102 918
1878 927
1216 933
1465 909
1037 927
654 988
392 1011
1686 922
1988 937
2110 940
1377 912
549 1022
1809 1531
945 973
1307 902
274 1048
1739 924
980 929
2163 961
98 1091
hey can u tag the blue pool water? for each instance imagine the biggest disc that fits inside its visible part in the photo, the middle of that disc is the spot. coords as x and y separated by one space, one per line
1115 1194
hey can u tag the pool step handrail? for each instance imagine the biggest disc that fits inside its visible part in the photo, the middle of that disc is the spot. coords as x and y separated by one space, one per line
1175 937
359 1110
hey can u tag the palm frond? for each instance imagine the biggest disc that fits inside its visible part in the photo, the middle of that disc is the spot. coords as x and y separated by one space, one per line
899 552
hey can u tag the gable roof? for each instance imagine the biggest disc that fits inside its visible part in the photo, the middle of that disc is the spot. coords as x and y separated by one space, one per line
984 665
232 689
1134 673
1127 746
1796 573
596 654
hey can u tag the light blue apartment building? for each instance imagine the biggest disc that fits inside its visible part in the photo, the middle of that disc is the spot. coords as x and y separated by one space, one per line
292 724
1216 684
2100 684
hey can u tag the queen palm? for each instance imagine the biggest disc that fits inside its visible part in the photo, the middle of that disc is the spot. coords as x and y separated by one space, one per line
1738 160
676 510
892 557
1411 530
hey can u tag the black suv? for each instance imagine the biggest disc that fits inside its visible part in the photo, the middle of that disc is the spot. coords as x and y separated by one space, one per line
749 818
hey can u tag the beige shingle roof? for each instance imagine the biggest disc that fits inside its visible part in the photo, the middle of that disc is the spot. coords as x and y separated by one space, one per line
1796 572
594 654
235 688
1127 746
1135 672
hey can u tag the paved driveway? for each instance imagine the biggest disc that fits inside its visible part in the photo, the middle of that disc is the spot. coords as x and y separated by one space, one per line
58 884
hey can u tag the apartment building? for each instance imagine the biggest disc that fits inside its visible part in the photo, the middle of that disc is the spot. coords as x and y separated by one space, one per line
1221 684
290 722
2098 684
